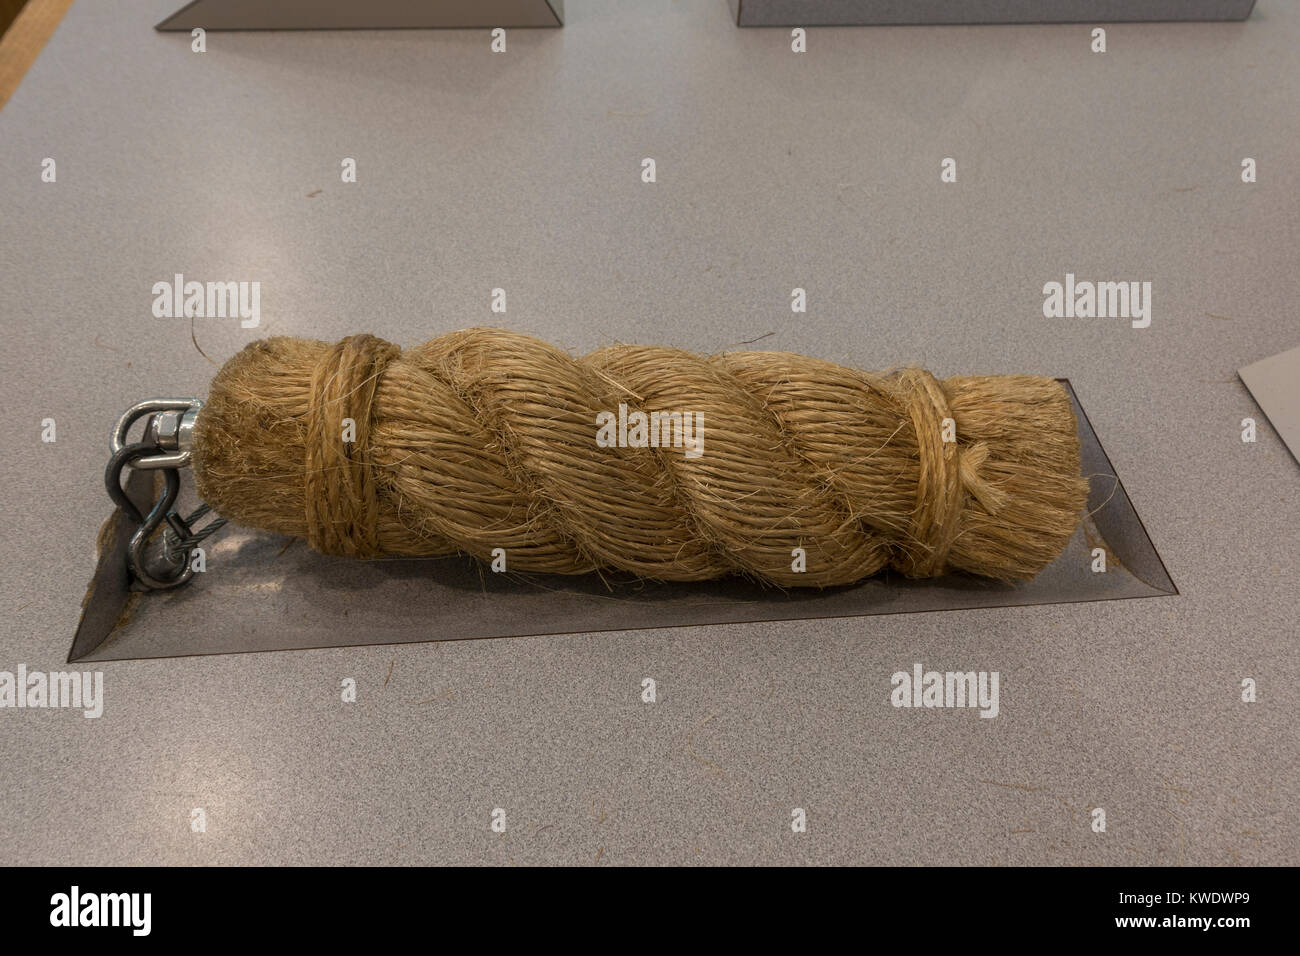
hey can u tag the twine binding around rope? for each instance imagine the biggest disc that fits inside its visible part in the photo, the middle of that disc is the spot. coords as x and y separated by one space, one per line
811 474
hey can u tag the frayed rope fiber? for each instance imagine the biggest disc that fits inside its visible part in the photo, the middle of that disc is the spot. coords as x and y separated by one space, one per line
486 439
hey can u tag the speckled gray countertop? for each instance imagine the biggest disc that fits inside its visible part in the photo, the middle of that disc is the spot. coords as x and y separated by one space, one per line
821 170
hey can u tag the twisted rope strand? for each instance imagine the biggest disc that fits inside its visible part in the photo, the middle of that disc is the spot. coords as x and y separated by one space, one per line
486 439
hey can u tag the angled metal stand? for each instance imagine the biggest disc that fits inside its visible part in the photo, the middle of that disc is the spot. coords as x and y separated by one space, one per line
364 14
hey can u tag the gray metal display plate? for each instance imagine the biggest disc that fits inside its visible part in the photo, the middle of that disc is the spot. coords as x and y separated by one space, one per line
266 593
824 13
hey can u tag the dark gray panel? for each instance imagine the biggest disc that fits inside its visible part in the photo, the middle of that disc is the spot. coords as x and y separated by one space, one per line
793 13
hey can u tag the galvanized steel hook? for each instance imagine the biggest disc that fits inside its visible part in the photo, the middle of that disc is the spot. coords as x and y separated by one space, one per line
168 438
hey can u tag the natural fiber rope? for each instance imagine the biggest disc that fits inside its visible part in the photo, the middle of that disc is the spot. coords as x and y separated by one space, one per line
486 439
340 495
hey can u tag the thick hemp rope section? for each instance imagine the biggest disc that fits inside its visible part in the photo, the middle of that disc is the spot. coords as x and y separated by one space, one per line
342 500
947 474
486 439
